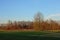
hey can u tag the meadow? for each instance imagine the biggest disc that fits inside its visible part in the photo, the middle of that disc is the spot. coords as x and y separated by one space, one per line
29 35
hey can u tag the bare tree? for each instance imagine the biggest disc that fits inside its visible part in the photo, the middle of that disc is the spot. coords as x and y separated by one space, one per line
38 18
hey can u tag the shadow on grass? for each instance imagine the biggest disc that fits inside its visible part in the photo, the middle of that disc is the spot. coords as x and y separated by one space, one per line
15 37
25 36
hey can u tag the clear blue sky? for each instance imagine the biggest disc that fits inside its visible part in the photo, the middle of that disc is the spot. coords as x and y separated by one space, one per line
25 9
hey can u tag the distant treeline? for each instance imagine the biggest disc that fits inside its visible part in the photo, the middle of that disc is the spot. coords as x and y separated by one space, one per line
37 24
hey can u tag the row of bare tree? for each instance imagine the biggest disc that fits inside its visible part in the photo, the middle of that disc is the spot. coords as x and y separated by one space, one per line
37 24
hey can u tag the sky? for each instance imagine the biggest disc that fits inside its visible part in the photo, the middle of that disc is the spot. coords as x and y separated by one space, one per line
26 9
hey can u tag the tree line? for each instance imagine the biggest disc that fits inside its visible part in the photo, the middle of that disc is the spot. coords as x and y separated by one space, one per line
38 24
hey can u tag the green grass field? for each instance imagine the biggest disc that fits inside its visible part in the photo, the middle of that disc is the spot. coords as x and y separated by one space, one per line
29 36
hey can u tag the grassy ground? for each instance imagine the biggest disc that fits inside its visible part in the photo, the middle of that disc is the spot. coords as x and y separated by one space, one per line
29 36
